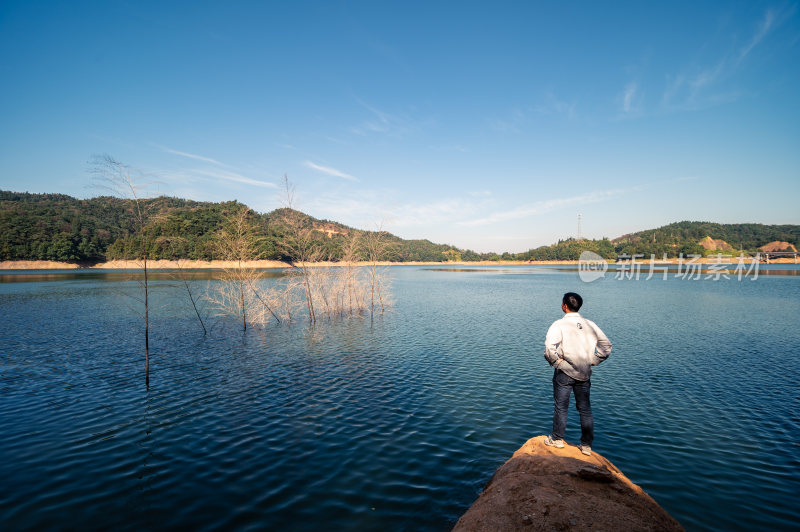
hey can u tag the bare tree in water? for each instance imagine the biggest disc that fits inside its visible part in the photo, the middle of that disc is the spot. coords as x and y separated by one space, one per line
128 184
238 244
299 244
376 246
175 244
350 296
347 289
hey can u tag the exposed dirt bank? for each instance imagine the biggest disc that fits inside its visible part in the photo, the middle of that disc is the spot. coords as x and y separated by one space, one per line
712 244
778 245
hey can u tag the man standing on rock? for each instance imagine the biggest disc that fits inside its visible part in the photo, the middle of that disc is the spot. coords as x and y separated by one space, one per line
572 346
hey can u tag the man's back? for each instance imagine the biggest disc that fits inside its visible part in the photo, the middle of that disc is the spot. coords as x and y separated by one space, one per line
579 342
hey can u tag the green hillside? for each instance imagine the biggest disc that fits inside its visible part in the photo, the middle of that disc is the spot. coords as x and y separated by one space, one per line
62 228
673 239
747 237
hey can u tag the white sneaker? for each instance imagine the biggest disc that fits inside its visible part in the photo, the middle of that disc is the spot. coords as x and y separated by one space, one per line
558 444
585 449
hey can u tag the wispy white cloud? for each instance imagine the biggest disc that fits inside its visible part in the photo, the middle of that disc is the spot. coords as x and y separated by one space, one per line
366 207
224 175
444 210
383 117
337 140
708 76
515 120
700 90
552 105
329 171
191 156
510 123
382 122
699 87
217 172
542 207
367 127
480 193
450 147
189 175
629 97
767 23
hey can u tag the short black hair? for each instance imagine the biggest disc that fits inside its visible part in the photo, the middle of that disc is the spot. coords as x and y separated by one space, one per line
573 301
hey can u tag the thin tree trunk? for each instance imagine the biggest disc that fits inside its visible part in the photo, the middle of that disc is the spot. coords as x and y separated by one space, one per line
241 297
194 305
380 296
372 295
241 302
325 300
261 299
183 278
146 329
350 289
287 303
309 296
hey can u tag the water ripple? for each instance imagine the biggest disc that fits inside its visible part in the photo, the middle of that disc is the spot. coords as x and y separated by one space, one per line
395 424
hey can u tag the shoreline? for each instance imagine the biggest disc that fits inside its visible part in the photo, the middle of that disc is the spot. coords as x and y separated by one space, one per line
274 264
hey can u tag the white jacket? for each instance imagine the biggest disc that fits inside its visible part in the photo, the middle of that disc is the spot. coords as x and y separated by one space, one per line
575 344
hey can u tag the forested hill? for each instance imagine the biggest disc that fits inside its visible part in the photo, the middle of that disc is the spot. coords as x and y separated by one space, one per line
687 238
62 228
739 236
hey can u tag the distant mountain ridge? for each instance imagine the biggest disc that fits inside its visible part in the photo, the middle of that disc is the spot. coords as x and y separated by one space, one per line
62 228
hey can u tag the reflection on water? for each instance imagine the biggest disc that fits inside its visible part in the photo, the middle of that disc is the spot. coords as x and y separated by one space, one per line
22 276
458 270
394 424
614 269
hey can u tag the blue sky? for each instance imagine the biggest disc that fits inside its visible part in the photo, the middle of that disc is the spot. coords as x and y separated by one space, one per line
487 125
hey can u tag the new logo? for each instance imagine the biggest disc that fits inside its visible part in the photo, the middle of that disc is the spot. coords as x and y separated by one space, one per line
591 266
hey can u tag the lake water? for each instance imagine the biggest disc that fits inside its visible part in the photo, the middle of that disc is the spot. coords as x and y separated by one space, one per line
395 424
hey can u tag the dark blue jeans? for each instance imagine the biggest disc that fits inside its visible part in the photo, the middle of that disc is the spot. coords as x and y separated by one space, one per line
563 384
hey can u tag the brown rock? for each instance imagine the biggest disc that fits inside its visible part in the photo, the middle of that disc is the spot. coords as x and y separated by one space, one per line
544 488
595 473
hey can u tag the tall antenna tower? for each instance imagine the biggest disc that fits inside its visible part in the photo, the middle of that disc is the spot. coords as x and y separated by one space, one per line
580 236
